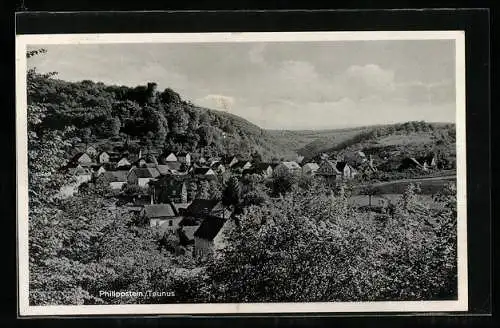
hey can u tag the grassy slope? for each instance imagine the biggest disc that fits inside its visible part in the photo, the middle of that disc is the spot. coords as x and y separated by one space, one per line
311 143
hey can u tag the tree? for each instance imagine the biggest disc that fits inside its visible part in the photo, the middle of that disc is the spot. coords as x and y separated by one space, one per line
204 190
370 191
231 196
311 246
282 182
256 157
254 191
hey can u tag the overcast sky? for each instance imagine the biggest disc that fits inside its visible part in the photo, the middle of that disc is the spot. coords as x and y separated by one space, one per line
281 85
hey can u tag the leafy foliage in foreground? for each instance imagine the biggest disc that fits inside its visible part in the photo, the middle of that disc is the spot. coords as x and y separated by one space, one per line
309 246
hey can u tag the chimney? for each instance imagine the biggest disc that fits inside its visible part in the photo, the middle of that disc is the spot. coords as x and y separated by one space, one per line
140 153
152 199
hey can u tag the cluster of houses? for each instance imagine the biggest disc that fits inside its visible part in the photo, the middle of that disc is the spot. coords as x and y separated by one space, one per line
166 205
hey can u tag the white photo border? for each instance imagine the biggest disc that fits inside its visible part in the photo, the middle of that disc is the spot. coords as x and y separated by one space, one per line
25 309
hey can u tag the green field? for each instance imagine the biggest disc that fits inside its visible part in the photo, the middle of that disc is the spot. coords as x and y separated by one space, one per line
428 186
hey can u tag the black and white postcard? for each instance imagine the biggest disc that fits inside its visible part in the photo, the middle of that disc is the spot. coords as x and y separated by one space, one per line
205 173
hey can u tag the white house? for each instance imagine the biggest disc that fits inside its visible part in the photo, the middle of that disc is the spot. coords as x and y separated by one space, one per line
347 171
310 169
141 176
171 158
103 157
162 216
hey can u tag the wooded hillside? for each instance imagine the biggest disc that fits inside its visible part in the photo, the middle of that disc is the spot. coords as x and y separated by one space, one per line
143 117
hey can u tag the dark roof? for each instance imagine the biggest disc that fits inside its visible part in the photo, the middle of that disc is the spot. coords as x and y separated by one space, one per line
201 207
159 210
216 164
341 165
210 228
146 172
239 164
182 153
115 176
173 165
201 170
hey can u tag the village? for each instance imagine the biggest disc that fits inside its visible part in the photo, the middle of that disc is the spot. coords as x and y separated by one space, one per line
156 188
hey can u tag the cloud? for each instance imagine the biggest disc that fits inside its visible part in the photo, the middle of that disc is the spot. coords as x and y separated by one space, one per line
277 84
220 102
256 53
417 92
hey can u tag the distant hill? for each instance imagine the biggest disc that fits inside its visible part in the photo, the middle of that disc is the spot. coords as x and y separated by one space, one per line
310 143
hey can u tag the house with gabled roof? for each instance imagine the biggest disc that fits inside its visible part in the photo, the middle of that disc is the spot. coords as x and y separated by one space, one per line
210 236
229 161
103 157
81 158
202 208
328 170
287 167
263 169
162 216
169 157
202 171
141 162
218 167
184 157
141 176
347 171
240 166
98 169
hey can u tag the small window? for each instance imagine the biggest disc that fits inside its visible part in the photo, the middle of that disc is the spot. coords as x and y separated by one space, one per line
170 223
